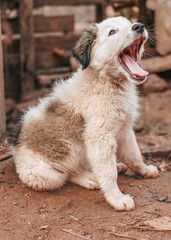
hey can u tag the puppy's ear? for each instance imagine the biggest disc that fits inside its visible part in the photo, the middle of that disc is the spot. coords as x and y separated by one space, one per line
82 49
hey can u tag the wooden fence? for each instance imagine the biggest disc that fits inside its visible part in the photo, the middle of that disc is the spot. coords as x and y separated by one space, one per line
28 40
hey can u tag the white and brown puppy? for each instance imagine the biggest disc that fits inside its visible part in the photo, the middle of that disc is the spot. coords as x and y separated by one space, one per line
78 132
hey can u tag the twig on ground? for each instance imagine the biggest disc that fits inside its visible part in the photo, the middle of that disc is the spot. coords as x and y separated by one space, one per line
151 229
1 181
5 154
76 219
9 229
75 234
43 227
146 204
123 236
103 217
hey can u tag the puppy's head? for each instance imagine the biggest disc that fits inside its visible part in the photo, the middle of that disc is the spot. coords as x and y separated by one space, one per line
116 45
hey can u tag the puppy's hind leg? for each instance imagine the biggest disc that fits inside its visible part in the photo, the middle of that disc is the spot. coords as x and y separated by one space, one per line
36 173
85 179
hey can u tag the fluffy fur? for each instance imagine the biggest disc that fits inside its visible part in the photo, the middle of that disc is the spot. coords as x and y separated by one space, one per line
78 132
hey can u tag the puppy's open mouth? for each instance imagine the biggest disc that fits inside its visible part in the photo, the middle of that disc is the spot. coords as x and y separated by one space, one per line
130 60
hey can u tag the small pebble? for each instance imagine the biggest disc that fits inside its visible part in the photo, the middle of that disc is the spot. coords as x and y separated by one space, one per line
131 185
154 196
158 210
162 199
2 172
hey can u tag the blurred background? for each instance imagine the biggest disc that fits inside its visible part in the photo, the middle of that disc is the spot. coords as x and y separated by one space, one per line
37 39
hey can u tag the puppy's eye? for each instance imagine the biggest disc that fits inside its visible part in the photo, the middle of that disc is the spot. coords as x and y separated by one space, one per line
112 32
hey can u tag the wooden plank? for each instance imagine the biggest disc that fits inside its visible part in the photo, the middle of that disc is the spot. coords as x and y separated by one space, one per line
49 43
14 4
40 3
14 47
151 4
12 76
100 12
45 24
26 47
157 64
13 24
46 60
2 97
54 24
43 60
122 3
163 27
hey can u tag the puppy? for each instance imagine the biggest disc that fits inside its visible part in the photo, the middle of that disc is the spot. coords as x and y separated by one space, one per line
78 132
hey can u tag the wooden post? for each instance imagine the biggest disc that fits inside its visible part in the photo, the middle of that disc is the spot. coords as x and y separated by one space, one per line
26 47
100 13
2 97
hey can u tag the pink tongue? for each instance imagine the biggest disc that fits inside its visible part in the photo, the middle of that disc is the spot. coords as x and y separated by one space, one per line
133 66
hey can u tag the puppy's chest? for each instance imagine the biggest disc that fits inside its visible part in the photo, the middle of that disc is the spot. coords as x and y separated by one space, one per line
124 108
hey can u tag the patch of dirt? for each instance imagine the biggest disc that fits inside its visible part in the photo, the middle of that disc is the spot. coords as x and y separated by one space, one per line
77 213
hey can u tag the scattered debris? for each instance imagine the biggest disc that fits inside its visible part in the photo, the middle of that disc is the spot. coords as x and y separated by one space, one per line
154 196
43 227
123 236
75 234
160 224
146 204
76 219
149 229
162 199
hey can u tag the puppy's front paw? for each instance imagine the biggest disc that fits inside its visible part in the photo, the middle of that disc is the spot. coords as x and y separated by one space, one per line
123 202
151 172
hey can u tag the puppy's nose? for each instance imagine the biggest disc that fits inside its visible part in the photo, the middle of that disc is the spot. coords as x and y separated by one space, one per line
138 27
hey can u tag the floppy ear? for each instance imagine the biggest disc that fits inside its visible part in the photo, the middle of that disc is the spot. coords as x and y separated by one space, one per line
82 49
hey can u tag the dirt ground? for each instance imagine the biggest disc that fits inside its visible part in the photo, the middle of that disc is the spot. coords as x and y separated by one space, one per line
77 213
